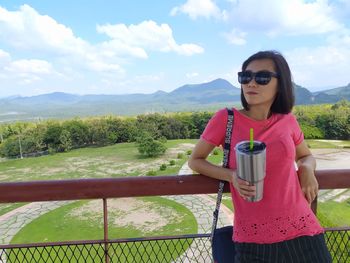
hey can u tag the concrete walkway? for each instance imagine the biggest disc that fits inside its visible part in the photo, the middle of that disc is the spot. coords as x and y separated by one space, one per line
14 220
202 207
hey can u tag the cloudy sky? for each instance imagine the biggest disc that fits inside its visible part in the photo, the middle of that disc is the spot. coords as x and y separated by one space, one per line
129 46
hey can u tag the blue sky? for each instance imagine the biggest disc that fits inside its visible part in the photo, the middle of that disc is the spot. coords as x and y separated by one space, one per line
128 46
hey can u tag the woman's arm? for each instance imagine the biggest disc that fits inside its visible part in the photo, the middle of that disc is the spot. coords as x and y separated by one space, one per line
306 170
198 163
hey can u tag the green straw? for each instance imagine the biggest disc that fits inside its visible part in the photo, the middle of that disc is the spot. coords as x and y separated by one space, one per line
251 139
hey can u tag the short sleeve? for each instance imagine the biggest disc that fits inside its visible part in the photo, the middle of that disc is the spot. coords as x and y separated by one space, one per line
214 132
297 133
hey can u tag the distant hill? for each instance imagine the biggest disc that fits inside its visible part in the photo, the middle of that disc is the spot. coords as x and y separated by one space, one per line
191 97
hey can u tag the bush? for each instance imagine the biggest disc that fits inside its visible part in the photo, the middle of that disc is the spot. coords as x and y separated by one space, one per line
149 146
172 162
180 155
311 132
163 167
151 173
216 152
189 152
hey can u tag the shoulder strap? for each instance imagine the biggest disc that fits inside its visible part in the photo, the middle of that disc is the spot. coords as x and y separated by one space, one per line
225 164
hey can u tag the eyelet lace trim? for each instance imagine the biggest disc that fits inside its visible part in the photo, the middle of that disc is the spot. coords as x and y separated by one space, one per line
274 227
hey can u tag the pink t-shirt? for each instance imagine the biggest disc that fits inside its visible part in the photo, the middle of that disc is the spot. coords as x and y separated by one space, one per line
283 213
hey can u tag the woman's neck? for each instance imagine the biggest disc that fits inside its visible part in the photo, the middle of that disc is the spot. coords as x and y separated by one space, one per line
258 114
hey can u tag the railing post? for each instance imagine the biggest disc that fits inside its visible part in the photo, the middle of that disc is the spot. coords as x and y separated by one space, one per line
314 206
105 229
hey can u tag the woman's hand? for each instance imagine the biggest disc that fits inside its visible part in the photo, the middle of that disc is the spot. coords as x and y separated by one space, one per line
243 188
308 182
306 171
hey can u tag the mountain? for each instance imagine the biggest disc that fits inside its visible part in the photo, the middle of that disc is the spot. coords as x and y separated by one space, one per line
191 97
304 96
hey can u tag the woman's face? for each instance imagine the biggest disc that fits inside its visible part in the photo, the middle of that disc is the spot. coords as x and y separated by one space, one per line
260 95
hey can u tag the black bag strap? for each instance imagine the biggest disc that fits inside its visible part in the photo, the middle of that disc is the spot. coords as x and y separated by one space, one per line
225 164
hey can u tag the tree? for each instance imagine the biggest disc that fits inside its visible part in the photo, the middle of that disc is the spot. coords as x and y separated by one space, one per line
52 136
10 147
65 141
150 147
78 132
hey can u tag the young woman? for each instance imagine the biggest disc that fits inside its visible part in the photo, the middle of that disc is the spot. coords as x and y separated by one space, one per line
281 227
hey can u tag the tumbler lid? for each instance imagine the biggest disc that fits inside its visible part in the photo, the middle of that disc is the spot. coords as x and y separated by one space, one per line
244 147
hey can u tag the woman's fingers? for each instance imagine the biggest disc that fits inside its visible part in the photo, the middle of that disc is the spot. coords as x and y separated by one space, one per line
244 189
310 194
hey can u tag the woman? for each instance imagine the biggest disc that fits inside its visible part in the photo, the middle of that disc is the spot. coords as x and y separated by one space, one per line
281 227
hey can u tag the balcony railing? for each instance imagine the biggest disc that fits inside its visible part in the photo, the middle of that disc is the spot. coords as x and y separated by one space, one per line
184 248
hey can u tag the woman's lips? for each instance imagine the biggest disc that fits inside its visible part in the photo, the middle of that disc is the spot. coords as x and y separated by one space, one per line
251 93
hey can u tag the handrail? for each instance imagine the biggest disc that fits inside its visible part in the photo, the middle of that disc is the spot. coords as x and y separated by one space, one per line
77 189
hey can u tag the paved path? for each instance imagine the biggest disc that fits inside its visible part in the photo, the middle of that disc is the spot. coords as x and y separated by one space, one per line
332 159
202 207
14 220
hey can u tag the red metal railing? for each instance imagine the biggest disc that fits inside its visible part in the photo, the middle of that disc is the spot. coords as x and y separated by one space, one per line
78 189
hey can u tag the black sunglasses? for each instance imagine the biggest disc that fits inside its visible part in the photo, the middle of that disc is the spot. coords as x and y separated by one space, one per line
262 77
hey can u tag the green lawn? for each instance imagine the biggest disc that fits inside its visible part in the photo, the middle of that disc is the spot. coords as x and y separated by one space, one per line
111 161
83 220
332 214
5 208
318 144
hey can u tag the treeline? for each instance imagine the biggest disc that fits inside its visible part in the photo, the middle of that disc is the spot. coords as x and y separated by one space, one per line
325 121
23 138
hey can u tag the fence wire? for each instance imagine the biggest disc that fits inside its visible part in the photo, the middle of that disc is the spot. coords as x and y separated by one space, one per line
194 248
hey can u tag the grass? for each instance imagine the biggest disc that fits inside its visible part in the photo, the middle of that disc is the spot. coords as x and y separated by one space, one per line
61 225
332 214
111 161
58 225
318 144
5 208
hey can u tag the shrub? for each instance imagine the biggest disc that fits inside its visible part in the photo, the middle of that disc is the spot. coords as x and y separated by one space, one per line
311 132
163 167
215 152
172 162
151 173
180 155
149 146
189 152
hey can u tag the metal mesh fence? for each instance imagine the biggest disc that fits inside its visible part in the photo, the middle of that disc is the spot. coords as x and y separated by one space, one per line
338 243
190 248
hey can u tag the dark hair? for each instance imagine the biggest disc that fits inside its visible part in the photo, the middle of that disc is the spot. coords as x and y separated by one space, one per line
284 100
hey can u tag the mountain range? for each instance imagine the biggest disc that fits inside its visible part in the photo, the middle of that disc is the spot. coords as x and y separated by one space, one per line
206 96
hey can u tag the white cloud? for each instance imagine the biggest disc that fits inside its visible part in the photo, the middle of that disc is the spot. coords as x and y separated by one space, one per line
191 75
236 37
30 66
27 29
290 17
4 56
200 8
320 67
136 39
40 36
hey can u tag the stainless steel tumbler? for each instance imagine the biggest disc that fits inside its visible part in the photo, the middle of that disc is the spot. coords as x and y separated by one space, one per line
251 166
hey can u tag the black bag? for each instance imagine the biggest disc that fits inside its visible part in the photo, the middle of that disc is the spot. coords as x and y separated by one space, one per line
223 249
222 246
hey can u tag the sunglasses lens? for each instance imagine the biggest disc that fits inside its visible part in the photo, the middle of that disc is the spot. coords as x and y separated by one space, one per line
245 77
262 78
